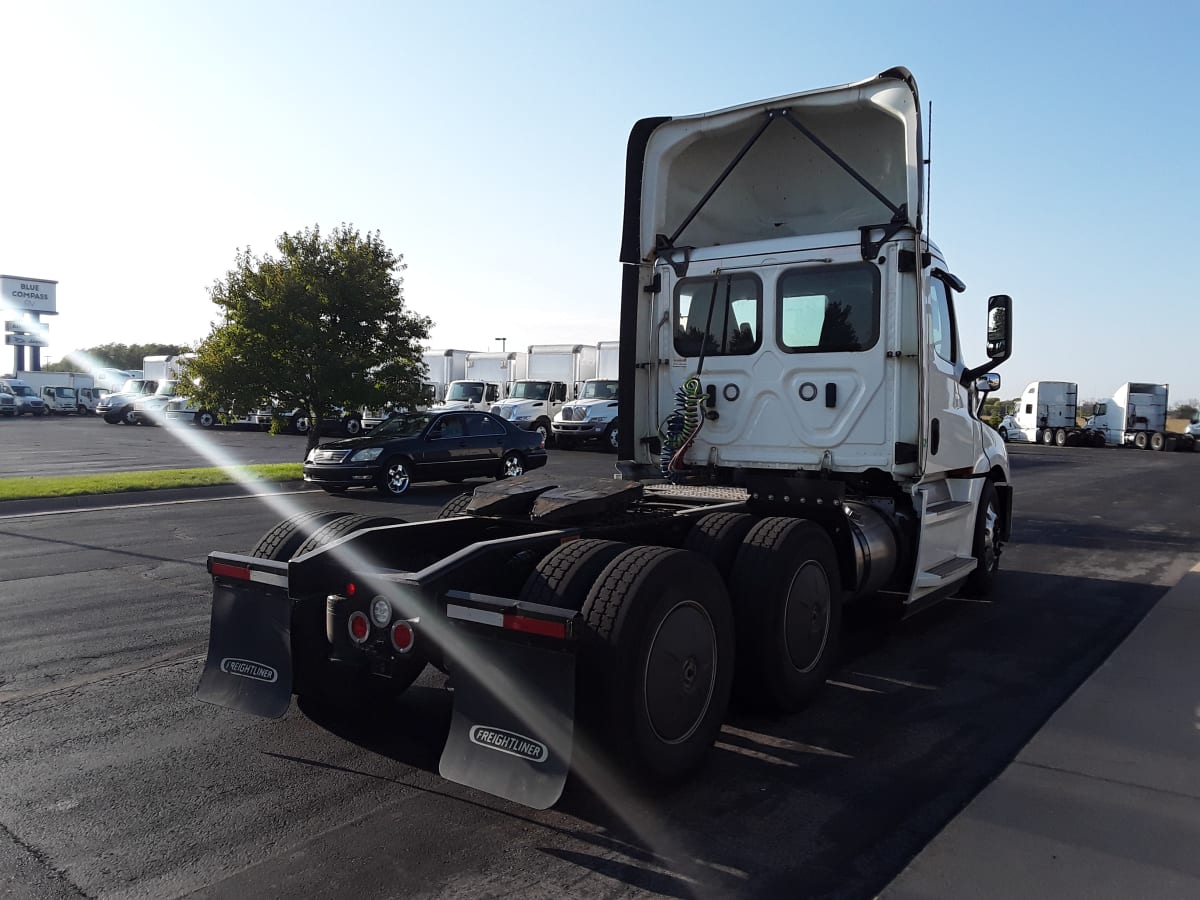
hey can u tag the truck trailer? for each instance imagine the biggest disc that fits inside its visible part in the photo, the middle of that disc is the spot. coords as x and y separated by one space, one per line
798 433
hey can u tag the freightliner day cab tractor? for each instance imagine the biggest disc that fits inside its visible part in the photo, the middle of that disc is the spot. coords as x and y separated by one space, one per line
798 432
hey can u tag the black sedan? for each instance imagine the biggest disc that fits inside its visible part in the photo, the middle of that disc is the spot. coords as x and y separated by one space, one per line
427 446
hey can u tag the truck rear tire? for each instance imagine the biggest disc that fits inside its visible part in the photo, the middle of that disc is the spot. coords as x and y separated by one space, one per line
986 546
1047 436
787 604
455 506
612 437
1157 441
564 576
1139 440
342 526
1060 437
1096 439
657 661
718 537
282 541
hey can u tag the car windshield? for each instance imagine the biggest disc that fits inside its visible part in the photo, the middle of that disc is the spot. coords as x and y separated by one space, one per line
21 390
530 390
65 393
469 391
402 425
599 390
167 388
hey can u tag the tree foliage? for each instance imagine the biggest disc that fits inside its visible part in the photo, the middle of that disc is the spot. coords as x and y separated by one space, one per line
1185 410
116 356
320 326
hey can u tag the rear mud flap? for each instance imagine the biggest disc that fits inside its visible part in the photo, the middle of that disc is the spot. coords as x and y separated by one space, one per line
249 666
493 744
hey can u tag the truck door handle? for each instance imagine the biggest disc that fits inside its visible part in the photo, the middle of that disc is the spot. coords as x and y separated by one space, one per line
935 436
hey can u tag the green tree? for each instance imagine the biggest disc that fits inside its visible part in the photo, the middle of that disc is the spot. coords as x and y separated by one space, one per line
1185 410
117 356
323 325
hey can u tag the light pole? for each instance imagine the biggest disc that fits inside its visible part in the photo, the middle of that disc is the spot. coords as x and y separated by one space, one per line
502 342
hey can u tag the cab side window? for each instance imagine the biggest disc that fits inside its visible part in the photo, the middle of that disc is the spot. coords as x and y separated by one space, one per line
941 315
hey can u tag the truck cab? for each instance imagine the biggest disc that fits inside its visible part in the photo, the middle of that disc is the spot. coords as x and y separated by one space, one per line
471 395
590 416
532 405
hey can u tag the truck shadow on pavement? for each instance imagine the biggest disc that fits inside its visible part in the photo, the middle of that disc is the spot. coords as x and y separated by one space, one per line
914 721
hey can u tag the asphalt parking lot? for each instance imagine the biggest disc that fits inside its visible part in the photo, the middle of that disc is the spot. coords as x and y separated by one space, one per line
117 783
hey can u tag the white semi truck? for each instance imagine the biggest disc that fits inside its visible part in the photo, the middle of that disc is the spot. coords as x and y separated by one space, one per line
554 374
1047 413
1136 416
798 432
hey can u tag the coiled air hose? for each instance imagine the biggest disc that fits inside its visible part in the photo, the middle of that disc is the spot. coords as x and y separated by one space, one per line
682 426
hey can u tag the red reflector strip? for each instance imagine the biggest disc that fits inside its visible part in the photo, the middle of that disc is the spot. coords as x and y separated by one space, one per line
536 626
240 572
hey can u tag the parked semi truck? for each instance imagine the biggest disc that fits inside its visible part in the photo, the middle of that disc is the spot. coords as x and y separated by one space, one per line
554 374
798 432
593 413
1047 413
1136 416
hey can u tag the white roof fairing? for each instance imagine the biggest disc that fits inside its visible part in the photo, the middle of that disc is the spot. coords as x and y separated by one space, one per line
785 185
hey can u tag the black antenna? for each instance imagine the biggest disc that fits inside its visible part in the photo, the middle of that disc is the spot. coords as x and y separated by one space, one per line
928 169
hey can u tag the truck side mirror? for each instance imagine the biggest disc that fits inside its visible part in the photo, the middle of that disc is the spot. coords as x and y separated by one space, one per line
999 336
999 328
985 384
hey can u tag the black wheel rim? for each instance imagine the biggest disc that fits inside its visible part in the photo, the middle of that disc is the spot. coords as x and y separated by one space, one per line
806 616
513 466
680 673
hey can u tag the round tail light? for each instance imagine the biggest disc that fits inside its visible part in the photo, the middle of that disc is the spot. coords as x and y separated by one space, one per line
359 627
402 637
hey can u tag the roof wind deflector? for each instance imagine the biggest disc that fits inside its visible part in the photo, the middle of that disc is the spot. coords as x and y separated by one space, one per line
664 244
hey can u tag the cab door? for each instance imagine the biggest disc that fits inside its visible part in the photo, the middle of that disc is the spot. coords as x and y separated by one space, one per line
953 439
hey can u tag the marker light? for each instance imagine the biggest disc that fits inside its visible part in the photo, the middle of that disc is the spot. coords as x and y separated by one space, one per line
360 628
402 637
381 611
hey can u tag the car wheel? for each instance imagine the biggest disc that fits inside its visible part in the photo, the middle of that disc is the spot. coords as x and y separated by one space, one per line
40 412
352 425
80 410
128 418
512 465
1004 434
110 419
396 478
612 437
542 428
299 423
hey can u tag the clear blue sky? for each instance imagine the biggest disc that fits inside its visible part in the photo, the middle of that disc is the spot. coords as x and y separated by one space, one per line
143 142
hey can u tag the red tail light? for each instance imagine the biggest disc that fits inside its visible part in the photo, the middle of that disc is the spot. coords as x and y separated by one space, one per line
402 637
350 589
359 627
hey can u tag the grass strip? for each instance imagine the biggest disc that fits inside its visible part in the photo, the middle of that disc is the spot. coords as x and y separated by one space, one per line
25 488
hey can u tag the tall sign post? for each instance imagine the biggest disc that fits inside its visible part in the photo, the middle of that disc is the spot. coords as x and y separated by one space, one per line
24 301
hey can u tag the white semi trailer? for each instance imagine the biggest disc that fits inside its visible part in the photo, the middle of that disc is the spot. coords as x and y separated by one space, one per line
798 432
554 374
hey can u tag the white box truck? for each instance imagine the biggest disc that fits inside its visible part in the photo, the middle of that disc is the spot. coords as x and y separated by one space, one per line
487 380
593 413
55 389
555 373
441 367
